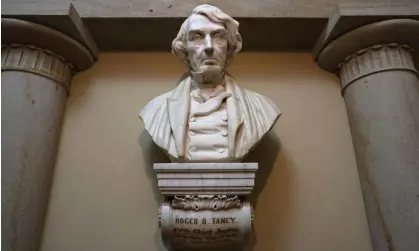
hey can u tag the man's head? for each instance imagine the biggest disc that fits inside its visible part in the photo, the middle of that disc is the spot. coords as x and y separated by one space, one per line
207 40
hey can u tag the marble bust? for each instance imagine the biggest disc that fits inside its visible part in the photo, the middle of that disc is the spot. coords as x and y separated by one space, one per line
208 117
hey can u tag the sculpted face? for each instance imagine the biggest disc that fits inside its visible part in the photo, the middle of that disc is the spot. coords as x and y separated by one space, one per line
206 44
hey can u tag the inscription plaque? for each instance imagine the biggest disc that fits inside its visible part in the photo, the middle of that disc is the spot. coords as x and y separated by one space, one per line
225 229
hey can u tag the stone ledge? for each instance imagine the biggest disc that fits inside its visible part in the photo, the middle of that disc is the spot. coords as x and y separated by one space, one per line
115 27
205 178
124 30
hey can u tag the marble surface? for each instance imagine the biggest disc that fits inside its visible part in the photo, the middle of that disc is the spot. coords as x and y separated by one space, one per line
205 178
205 206
206 229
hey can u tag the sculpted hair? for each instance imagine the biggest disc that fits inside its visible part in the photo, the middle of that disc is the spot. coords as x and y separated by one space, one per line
216 15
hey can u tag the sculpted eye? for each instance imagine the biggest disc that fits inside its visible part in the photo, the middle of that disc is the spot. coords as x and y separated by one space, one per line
196 37
217 36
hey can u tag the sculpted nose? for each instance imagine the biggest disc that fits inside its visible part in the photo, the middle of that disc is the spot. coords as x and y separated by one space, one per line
208 45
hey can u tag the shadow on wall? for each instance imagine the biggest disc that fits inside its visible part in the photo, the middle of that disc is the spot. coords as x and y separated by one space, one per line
268 155
153 154
264 154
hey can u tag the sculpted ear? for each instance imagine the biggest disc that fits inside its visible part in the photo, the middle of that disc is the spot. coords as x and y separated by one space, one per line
239 43
179 50
234 49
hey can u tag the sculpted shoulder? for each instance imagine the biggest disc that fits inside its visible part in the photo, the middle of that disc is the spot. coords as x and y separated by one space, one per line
153 106
264 100
266 108
156 122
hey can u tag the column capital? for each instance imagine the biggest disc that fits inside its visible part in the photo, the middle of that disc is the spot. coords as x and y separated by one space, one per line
374 59
43 62
32 35
388 34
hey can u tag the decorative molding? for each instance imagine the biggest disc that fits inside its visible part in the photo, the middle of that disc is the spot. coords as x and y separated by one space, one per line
38 61
206 202
21 32
175 179
205 205
403 32
227 229
374 59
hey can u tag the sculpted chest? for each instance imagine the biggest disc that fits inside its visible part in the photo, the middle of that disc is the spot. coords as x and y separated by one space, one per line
207 134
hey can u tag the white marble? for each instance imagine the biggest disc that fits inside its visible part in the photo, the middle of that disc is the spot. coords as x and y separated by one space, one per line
205 178
203 230
208 117
206 125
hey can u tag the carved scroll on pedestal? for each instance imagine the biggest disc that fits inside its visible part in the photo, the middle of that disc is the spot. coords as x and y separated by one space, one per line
203 228
212 221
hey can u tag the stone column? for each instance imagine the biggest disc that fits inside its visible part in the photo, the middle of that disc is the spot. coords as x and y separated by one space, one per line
37 67
376 66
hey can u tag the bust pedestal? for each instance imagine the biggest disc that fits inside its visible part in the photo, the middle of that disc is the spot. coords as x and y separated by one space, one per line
205 205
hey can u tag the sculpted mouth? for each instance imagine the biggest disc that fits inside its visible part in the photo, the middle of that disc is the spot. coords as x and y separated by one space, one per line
210 62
